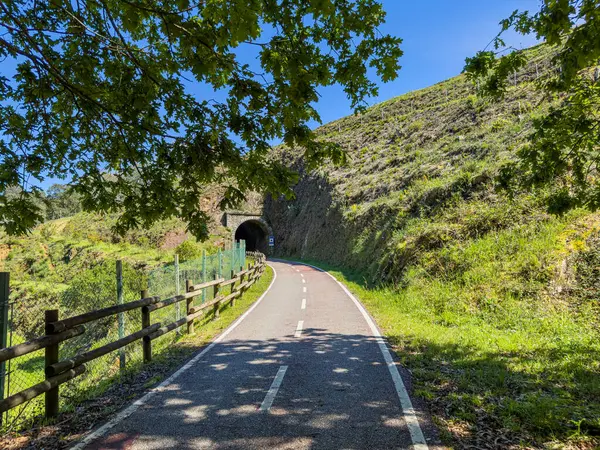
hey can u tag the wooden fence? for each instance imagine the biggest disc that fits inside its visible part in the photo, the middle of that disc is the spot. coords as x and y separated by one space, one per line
58 372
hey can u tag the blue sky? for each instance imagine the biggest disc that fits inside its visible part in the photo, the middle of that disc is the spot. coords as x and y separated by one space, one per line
438 35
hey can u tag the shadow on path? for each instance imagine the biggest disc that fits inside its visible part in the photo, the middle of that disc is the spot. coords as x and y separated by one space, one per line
337 393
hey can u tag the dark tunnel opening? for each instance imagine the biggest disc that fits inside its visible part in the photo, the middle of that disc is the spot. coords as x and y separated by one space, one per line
254 234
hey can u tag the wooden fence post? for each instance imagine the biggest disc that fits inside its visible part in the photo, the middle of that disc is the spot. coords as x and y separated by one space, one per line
146 341
232 287
4 293
189 302
51 397
242 282
215 295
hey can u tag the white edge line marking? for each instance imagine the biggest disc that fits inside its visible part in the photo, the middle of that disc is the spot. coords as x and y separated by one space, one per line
304 289
270 397
123 414
299 328
410 417
303 304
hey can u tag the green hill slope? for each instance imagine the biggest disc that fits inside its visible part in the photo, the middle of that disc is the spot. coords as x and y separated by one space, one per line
69 264
420 176
492 302
45 263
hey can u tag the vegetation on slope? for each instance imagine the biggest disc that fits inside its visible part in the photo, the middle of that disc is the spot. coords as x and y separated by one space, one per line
45 263
491 302
69 264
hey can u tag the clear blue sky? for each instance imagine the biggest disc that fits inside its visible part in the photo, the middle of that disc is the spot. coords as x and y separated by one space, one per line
438 35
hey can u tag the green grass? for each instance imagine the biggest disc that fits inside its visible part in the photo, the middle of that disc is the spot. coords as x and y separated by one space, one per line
486 348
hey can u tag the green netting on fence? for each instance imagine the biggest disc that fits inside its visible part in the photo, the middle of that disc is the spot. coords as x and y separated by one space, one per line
96 289
171 279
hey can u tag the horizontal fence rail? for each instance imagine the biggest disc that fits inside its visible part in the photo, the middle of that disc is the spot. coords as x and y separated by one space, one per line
60 325
39 343
58 371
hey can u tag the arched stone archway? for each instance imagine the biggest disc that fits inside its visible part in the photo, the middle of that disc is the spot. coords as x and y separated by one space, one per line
250 227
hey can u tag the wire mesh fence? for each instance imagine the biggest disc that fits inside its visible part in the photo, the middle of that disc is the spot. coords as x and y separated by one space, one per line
171 280
106 284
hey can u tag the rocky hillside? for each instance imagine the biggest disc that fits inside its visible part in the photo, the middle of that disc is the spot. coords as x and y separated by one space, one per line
420 178
490 302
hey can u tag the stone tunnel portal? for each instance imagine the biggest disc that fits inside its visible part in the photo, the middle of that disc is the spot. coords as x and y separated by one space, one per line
254 233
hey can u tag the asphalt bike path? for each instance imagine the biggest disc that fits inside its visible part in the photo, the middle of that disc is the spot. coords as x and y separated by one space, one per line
304 368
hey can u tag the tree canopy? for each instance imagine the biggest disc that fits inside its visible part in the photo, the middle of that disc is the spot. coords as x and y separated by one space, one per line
562 154
104 93
60 202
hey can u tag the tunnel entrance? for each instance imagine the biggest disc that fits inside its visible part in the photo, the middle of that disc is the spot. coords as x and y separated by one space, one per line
255 235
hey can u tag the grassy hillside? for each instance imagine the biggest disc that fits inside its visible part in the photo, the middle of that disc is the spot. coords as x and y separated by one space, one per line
491 302
44 264
420 176
69 264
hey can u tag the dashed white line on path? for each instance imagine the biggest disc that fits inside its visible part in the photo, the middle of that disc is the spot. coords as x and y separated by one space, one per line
268 401
299 328
302 275
303 280
304 289
303 304
410 416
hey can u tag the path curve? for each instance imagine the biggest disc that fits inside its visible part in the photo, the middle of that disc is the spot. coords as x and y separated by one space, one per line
304 368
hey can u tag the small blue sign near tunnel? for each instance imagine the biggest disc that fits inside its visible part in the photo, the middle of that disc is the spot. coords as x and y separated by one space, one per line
271 241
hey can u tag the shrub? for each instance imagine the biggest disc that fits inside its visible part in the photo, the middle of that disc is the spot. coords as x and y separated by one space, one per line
472 101
47 231
94 238
188 249
498 124
416 126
